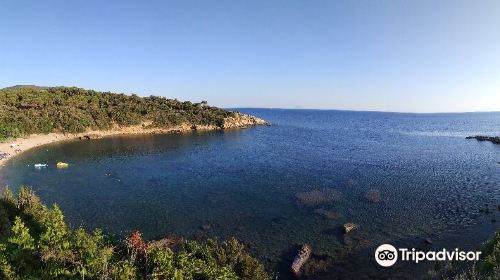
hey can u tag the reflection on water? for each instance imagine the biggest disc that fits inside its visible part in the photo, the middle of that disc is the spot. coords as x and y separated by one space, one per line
402 177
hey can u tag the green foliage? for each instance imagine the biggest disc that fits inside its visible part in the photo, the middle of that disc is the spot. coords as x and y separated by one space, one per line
36 243
27 110
232 253
124 270
487 268
168 265
21 237
490 258
193 261
54 242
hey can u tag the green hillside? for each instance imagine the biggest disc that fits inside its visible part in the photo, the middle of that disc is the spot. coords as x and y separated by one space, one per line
32 109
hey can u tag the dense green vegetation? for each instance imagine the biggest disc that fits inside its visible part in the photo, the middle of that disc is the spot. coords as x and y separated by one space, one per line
29 109
487 268
36 243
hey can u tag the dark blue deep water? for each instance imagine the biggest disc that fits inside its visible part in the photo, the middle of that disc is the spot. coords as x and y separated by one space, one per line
428 180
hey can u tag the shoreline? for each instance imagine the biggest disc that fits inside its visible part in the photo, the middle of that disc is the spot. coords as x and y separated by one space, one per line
15 147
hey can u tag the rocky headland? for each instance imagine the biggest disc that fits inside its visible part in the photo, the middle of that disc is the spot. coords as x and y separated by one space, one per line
482 138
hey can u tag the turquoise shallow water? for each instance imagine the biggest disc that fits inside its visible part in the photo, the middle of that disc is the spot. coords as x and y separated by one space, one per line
431 183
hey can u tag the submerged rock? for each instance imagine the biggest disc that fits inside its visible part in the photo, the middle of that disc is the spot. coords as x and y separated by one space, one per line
316 197
350 227
301 258
352 183
373 195
329 215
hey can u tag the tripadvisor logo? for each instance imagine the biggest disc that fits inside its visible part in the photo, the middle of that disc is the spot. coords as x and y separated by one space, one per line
387 255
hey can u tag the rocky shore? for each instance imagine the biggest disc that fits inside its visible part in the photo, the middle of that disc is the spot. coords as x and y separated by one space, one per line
243 121
481 138
12 148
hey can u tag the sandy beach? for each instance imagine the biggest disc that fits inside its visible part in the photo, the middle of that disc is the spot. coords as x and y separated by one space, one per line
17 146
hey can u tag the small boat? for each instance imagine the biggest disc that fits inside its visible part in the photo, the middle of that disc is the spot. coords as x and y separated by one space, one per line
40 165
62 165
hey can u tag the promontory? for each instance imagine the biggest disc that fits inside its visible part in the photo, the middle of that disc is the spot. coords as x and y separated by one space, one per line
31 116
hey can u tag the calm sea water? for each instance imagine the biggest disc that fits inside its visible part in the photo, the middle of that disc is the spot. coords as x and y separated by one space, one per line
431 181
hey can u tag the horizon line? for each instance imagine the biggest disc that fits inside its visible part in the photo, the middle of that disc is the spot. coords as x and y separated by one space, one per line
362 111
270 108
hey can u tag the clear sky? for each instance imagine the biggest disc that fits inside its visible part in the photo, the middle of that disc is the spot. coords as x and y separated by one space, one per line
412 56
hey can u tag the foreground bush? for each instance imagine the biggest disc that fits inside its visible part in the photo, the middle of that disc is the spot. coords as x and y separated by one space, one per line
36 243
26 110
487 268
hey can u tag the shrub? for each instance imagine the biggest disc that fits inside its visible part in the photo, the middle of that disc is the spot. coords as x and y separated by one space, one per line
36 243
490 264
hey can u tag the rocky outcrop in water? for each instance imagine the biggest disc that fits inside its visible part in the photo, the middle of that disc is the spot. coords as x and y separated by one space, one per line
240 120
301 258
350 227
481 138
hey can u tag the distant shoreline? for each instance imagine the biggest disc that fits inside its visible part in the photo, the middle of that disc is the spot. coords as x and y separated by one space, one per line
366 111
16 147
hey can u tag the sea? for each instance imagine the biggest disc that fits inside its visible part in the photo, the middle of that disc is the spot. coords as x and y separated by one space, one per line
410 180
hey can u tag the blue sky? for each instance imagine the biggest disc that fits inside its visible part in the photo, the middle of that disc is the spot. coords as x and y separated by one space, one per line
411 56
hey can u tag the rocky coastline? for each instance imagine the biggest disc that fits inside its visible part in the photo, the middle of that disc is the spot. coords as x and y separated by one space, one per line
14 147
482 138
